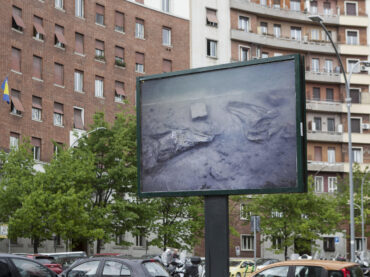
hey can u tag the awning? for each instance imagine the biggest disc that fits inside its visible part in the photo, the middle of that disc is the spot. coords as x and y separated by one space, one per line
39 28
60 37
18 20
120 91
211 16
17 103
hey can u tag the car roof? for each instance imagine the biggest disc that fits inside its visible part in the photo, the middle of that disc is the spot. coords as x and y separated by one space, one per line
328 265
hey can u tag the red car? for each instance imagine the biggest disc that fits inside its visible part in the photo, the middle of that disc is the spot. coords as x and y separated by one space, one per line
47 261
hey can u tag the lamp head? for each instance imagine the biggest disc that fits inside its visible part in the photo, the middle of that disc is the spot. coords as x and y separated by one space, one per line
316 18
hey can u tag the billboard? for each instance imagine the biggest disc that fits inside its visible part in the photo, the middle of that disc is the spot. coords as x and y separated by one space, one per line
229 129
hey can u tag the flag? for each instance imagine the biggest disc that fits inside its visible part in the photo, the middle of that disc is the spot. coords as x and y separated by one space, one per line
5 88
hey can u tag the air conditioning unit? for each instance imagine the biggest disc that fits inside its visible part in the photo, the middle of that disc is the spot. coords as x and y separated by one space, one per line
340 128
363 68
365 126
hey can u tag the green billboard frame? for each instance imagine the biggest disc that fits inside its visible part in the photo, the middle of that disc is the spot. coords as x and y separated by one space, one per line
301 133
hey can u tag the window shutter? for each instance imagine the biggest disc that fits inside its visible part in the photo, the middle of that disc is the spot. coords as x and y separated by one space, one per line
58 74
211 16
59 30
16 59
78 123
17 16
37 22
139 21
79 43
119 51
120 88
37 67
17 102
167 66
99 9
139 58
36 102
58 108
119 17
99 44
36 142
318 151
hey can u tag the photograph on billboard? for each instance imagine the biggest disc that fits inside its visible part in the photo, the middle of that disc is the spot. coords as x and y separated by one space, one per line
231 129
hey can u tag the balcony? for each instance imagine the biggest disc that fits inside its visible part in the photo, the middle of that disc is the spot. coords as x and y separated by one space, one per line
324 136
357 21
327 106
348 49
332 167
335 77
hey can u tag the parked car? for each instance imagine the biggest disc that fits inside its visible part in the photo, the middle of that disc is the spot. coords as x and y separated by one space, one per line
238 267
262 262
47 261
310 268
18 266
112 266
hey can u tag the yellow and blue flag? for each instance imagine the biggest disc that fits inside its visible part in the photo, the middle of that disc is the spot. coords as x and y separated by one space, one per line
5 88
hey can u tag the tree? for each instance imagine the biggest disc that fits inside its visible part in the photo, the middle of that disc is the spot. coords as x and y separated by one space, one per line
295 218
177 222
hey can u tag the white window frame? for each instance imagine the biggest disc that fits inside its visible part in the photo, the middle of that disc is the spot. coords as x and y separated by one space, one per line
139 30
36 114
140 241
296 33
319 184
361 151
348 67
328 11
243 23
242 215
13 142
99 88
249 242
331 155
139 68
212 48
263 2
277 30
352 2
313 9
166 36
358 242
36 151
79 8
58 119
328 66
315 68
79 81
59 4
241 47
352 42
263 29
277 214
315 34
295 6
166 5
332 184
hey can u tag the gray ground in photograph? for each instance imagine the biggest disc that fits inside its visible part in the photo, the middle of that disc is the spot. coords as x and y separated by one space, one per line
215 131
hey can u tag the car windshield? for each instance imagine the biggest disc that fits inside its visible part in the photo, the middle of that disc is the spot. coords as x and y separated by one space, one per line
234 263
46 261
155 269
261 261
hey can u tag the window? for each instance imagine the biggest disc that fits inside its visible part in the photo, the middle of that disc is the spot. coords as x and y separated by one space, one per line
13 141
88 268
329 244
58 74
139 65
355 96
331 125
351 66
263 28
119 20
313 7
37 67
332 184
166 65
356 125
36 108
315 34
79 81
329 94
352 37
59 39
99 50
263 2
357 155
359 246
296 33
211 18
277 243
119 56
58 146
316 93
99 86
211 48
277 30
79 43
331 155
315 65
78 118
17 22
311 271
115 269
319 184
277 214
351 8
58 114
317 153
328 66
79 8
247 242
166 36
38 30
264 55
317 121
243 23
166 6
119 93
327 8
139 240
278 271
59 4
244 214
276 4
139 28
16 59
16 104
36 148
30 268
295 5
99 14
243 56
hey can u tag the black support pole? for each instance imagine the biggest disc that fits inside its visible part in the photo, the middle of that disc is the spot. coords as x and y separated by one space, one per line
217 235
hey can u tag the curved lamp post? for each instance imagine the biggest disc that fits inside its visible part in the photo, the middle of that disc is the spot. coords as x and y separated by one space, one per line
320 20
86 134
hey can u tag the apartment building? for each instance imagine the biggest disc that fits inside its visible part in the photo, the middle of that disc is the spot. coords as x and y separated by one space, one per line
66 60
267 28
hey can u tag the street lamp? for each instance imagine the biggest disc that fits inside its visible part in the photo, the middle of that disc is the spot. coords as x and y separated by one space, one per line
86 134
319 19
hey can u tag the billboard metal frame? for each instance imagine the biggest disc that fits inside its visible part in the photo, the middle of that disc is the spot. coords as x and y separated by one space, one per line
301 134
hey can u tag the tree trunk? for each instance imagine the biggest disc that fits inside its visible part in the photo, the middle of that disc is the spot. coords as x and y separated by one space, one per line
98 245
285 252
36 243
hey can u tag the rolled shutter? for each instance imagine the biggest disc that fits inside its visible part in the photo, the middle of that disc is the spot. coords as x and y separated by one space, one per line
79 43
36 102
139 58
58 108
37 67
167 66
78 123
16 59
